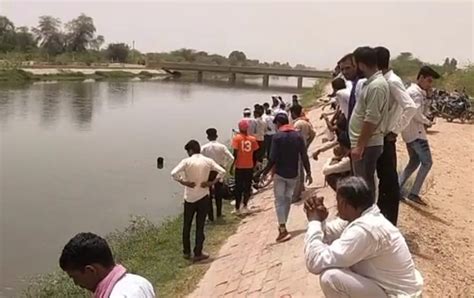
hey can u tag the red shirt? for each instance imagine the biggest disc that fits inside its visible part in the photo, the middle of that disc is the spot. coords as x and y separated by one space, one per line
245 146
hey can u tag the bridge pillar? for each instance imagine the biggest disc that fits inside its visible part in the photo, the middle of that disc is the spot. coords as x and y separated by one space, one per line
266 80
199 76
300 82
232 78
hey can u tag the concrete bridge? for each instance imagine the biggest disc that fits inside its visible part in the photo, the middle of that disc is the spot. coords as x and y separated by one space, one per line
266 72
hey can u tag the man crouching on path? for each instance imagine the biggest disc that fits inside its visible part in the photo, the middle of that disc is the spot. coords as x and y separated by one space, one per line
193 173
288 147
365 254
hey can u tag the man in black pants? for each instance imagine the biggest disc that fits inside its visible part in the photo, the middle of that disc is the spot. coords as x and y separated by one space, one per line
222 156
193 172
401 108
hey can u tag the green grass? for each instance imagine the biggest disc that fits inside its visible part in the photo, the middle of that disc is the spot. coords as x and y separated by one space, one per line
152 251
14 75
310 97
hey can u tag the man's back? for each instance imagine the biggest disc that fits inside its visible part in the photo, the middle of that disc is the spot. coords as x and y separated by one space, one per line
245 146
257 128
217 152
131 285
306 130
287 146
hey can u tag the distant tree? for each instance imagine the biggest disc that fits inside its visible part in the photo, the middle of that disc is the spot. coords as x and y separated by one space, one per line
118 52
237 58
97 42
406 65
80 33
7 34
49 35
25 41
188 55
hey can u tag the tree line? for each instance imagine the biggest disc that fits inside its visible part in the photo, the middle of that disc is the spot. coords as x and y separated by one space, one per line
76 41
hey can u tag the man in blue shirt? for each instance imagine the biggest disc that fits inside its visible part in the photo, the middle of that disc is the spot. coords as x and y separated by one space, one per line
287 148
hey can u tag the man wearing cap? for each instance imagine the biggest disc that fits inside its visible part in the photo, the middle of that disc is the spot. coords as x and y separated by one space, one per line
288 147
244 147
222 156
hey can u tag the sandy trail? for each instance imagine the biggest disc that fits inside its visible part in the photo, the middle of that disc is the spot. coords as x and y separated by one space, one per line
441 235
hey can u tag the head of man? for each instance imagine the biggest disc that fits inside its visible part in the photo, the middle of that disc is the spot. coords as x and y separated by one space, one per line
243 126
192 147
266 106
366 61
383 58
258 111
347 67
275 101
87 259
280 120
211 134
353 198
247 113
282 106
337 84
340 151
296 111
426 76
294 99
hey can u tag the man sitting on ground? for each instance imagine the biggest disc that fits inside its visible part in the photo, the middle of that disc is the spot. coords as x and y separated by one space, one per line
339 166
88 260
366 255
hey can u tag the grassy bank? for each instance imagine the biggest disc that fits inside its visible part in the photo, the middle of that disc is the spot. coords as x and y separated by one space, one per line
19 75
310 97
151 251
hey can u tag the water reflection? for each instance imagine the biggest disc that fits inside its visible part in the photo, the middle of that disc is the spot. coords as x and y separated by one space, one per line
82 104
50 105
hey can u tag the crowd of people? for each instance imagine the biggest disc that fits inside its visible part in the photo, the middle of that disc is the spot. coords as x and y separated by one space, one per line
360 253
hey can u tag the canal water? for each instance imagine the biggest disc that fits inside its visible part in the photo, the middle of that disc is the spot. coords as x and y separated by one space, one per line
81 156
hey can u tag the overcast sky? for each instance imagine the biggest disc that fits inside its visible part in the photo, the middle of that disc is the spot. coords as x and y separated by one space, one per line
312 33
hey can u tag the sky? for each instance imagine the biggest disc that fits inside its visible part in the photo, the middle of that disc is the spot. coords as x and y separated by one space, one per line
312 33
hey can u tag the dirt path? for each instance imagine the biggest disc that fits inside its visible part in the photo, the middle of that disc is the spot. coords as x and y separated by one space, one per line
441 235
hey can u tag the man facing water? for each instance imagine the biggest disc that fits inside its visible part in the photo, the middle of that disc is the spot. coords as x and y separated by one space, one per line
222 156
193 173
88 260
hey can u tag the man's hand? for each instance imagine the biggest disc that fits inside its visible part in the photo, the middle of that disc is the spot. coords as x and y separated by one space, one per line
309 179
357 153
188 183
207 184
392 137
315 209
316 154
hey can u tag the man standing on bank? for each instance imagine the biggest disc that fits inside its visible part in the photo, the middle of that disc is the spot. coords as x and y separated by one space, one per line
222 156
367 122
193 172
401 109
288 147
415 136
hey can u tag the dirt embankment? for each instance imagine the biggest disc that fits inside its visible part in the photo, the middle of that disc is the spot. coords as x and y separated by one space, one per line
441 235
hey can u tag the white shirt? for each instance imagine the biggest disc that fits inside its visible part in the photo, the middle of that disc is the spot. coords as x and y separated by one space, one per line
217 152
132 286
257 128
401 108
271 129
342 99
370 246
279 111
196 168
416 127
341 166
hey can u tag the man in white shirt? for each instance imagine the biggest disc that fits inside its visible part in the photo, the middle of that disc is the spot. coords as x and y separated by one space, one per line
222 156
401 109
415 137
341 93
193 172
270 131
88 260
257 129
359 254
339 166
